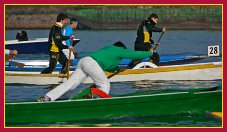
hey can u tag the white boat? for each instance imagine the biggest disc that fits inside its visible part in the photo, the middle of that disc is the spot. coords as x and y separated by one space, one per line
199 71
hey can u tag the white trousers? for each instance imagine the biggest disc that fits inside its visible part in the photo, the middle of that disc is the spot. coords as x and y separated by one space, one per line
87 66
66 52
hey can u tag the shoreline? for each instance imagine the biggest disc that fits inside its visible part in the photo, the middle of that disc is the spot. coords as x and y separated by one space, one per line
41 21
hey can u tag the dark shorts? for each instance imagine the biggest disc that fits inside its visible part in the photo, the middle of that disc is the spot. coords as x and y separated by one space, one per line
146 47
142 46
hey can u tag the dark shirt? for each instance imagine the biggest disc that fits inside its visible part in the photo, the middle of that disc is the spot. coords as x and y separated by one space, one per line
56 38
146 26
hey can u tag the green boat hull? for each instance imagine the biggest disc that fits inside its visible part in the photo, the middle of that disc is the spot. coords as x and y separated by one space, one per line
139 104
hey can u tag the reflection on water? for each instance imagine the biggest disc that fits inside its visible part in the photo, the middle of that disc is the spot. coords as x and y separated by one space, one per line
173 84
178 120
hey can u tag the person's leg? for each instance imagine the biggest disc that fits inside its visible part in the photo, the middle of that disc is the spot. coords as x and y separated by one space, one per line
52 63
77 77
66 52
155 58
64 61
92 69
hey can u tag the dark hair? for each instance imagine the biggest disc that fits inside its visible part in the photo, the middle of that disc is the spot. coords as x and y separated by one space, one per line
61 16
72 20
153 15
22 36
120 44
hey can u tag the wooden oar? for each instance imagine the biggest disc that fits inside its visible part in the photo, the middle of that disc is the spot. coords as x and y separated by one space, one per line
111 75
68 64
70 52
159 40
18 64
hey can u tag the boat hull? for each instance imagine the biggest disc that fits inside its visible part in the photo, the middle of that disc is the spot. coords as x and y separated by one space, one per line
36 46
201 71
165 60
164 103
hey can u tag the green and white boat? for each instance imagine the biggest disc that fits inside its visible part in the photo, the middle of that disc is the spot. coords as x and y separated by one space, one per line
147 103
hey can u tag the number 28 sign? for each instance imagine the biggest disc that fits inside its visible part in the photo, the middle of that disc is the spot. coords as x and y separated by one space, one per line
213 50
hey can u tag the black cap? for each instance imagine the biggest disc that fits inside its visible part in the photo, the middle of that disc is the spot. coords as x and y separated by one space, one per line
72 20
61 16
153 15
120 44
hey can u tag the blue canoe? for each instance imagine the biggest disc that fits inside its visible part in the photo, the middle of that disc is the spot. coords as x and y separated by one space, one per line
35 46
183 58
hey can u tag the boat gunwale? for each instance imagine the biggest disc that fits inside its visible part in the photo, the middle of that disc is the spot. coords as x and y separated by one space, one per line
35 40
134 71
124 97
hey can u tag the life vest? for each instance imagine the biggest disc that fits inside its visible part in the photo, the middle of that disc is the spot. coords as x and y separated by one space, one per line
146 35
54 47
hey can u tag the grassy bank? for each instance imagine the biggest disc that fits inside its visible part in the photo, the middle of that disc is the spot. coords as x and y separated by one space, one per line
116 17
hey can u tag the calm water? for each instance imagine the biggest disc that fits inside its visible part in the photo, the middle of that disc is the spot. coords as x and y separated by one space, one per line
173 42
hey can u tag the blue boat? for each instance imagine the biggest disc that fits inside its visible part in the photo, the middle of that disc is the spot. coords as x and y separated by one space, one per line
35 46
39 65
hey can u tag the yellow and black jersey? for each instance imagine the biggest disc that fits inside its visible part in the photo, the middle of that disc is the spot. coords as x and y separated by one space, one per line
144 32
56 38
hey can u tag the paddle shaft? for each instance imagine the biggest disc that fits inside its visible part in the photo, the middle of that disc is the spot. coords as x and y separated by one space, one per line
70 52
68 64
18 64
111 75
159 40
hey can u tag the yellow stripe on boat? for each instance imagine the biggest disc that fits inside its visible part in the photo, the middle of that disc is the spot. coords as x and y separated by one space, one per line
202 71
167 69
217 114
131 71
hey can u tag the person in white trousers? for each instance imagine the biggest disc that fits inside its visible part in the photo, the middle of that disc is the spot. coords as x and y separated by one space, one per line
94 65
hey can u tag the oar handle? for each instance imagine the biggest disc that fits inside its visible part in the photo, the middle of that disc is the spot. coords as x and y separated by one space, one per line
160 36
159 40
18 64
115 73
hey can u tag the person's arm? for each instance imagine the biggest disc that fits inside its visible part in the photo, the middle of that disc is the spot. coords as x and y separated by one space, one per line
131 54
57 36
10 54
155 29
152 28
65 37
69 32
